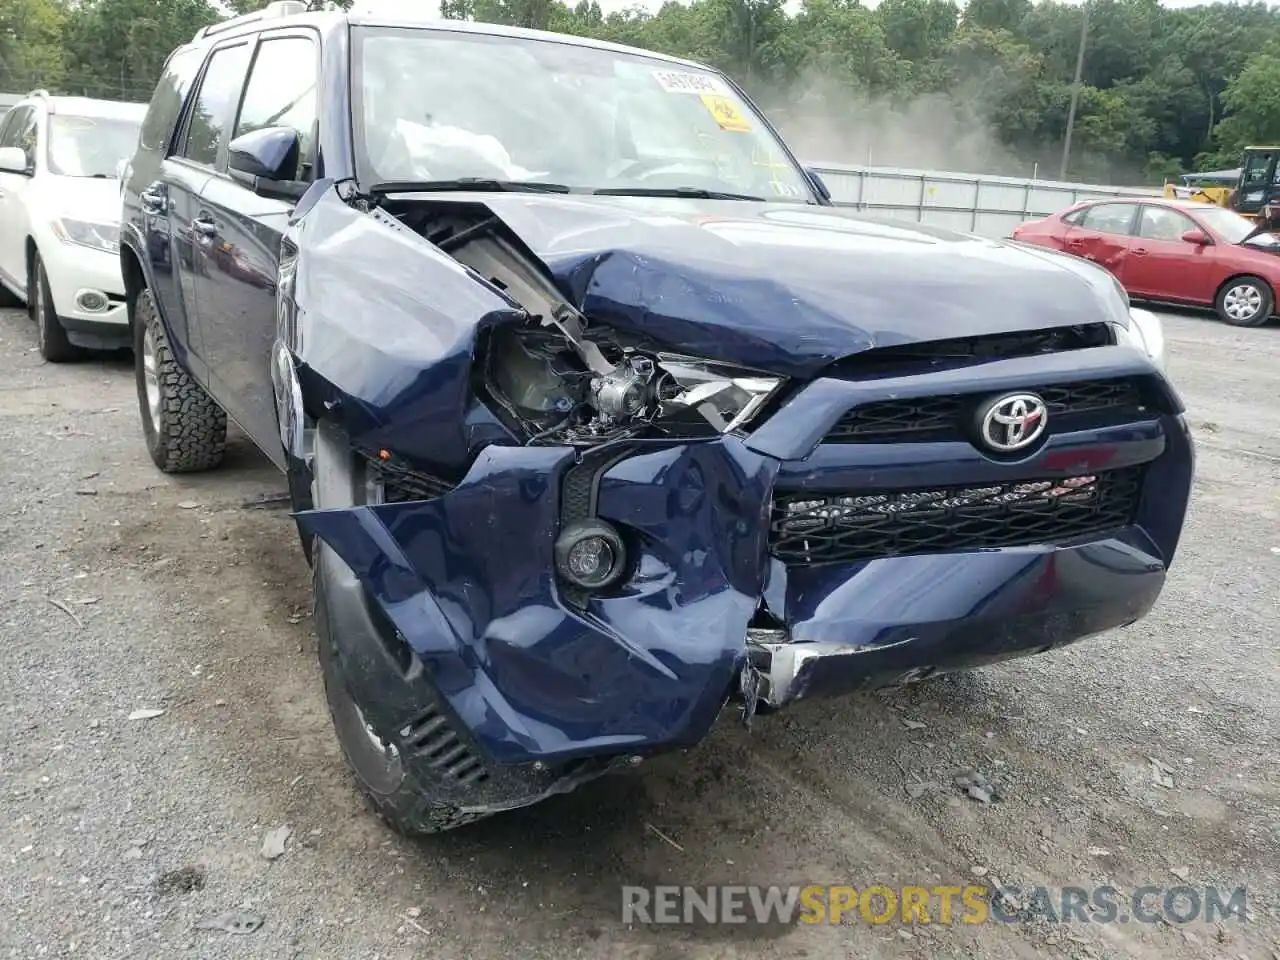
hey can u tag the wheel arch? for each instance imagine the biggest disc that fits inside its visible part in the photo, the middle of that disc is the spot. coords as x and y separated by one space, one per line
297 408
29 250
135 280
1245 275
297 429
138 276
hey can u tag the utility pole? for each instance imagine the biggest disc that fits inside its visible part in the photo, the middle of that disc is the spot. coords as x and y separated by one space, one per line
1075 89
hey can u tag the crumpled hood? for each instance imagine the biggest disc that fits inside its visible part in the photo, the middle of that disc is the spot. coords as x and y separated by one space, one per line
789 288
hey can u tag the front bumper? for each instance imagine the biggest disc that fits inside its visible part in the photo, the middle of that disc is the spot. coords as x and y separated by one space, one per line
75 270
536 674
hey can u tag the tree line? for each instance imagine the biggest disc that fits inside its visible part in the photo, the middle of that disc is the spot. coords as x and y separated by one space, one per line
985 86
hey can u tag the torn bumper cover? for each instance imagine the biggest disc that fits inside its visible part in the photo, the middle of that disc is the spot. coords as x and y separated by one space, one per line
727 593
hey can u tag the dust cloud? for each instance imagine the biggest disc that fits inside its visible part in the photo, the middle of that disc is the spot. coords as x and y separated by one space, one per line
931 132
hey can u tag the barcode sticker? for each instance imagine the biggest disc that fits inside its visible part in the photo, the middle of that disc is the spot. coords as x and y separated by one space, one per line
679 81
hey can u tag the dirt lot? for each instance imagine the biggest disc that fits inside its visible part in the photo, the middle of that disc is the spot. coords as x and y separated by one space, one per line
122 589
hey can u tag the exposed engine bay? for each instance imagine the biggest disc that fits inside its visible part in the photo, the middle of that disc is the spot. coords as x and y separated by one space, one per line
560 378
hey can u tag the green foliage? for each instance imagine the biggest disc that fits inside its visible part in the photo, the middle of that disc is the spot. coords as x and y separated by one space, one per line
1252 99
918 30
31 50
1164 89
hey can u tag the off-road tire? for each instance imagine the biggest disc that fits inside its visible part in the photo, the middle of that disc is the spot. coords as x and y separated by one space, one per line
1266 301
189 431
51 337
402 802
403 797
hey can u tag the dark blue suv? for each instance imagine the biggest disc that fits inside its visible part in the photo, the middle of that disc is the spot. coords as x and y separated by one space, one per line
598 416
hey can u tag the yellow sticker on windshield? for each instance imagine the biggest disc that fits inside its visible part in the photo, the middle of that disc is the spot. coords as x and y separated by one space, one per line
725 112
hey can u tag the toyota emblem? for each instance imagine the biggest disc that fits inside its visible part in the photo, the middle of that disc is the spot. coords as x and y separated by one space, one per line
1013 422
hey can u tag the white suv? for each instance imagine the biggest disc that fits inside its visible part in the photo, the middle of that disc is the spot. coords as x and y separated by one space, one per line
60 160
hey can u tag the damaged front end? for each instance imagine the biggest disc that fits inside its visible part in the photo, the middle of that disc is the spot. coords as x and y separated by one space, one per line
576 571
569 537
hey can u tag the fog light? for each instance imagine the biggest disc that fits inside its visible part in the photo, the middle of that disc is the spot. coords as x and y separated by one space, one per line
590 554
91 301
590 560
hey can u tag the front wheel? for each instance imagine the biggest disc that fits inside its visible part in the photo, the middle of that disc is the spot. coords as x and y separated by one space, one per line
413 792
1245 302
51 337
185 430
401 790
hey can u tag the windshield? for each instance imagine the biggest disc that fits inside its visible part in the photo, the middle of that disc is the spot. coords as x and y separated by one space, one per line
90 146
1232 227
438 105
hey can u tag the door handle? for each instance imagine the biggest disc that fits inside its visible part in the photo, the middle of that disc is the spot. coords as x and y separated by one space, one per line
1139 251
204 225
153 198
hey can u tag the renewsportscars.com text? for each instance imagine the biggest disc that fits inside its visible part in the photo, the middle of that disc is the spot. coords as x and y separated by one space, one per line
940 904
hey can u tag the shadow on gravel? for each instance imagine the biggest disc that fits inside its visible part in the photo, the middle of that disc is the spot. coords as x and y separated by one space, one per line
592 843
714 815
112 362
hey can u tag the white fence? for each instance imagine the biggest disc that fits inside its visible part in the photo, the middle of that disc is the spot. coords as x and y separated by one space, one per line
970 203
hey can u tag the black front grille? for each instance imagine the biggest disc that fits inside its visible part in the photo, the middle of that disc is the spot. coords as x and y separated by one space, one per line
1071 406
809 529
929 355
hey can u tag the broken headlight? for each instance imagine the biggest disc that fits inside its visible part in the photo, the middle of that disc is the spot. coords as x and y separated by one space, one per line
725 397
559 391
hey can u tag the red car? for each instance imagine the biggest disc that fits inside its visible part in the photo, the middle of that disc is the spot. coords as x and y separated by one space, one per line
1171 251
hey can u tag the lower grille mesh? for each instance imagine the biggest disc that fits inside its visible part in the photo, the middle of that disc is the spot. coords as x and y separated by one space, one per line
834 528
431 736
402 485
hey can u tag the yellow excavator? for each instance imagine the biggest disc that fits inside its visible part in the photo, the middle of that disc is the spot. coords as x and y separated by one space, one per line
1247 190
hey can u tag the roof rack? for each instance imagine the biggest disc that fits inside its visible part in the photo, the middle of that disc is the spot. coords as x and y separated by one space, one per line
281 8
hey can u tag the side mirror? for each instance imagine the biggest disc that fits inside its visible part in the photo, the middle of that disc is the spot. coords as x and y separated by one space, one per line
1198 237
14 160
266 161
818 185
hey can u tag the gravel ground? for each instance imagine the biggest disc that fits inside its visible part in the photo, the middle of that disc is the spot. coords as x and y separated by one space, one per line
122 589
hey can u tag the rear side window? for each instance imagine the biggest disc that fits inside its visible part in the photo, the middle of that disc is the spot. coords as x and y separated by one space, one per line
166 101
219 91
1110 217
281 92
